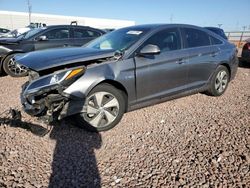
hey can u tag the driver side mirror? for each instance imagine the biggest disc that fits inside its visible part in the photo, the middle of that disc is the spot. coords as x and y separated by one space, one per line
150 49
42 38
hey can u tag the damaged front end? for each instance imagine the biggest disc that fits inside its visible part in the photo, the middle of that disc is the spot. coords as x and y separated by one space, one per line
43 97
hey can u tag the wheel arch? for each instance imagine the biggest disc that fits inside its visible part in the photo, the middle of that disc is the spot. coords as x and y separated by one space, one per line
228 68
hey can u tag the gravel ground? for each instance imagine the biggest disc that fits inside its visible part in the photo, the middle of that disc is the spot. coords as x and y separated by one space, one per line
195 141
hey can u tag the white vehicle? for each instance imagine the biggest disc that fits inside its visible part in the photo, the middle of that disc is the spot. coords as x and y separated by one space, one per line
15 33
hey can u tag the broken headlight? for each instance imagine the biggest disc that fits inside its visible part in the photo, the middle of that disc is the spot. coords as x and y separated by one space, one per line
52 81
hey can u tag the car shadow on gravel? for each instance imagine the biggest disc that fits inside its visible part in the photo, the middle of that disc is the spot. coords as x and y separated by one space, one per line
74 163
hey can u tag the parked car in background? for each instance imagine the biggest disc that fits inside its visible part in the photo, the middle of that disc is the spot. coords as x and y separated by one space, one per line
15 33
3 31
245 55
242 41
42 38
108 30
218 31
126 69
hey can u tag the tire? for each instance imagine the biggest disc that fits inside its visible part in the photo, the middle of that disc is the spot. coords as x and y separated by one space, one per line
219 81
105 106
12 69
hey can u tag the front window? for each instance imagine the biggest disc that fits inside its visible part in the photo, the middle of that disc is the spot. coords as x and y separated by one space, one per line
59 33
119 40
166 40
32 32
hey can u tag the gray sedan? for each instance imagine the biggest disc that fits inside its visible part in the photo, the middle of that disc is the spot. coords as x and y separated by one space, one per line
124 70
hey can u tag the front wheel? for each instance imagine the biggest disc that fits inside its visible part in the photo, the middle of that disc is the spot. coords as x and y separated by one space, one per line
12 68
105 106
219 82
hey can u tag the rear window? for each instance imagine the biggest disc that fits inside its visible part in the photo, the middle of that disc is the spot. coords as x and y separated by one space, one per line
196 38
215 41
84 33
4 30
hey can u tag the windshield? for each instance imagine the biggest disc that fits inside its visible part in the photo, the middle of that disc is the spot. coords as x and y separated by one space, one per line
32 32
119 40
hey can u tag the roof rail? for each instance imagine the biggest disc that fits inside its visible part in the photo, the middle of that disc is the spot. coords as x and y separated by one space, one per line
73 23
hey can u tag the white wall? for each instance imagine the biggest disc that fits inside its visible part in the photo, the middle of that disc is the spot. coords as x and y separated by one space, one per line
13 20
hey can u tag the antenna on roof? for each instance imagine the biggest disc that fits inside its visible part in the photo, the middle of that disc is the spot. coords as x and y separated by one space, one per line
220 25
29 9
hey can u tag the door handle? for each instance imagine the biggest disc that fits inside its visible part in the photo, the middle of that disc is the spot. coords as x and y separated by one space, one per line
213 54
181 61
65 45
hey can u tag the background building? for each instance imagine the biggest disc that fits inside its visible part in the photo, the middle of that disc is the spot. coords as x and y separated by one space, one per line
13 20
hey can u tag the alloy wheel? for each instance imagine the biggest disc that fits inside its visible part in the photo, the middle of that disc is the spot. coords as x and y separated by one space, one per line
102 109
221 81
16 68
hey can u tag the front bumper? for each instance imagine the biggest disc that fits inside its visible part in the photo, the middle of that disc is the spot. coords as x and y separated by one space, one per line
46 105
51 106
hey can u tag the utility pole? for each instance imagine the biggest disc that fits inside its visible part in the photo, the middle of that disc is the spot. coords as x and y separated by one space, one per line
29 9
171 18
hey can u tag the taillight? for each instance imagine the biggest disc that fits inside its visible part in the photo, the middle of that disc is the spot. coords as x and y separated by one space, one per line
248 46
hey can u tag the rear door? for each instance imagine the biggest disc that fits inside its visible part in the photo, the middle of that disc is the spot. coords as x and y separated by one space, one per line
55 38
202 56
163 74
84 35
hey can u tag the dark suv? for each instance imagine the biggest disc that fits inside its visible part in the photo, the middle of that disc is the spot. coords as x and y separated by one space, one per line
42 38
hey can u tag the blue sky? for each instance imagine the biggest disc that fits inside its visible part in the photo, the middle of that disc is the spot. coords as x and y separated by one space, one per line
233 14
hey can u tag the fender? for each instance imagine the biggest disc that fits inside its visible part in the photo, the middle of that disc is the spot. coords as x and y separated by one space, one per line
4 56
89 80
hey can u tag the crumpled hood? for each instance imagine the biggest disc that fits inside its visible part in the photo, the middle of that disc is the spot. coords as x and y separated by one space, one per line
46 59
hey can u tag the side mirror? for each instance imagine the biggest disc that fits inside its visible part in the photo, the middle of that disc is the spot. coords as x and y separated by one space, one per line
150 49
42 38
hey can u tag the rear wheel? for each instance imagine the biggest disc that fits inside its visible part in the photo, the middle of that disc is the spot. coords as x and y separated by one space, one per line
105 106
12 68
219 82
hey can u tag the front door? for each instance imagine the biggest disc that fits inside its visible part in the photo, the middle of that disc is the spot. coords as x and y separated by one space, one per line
55 38
158 76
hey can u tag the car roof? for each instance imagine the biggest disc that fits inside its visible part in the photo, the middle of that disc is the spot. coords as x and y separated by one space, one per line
217 28
155 26
51 26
